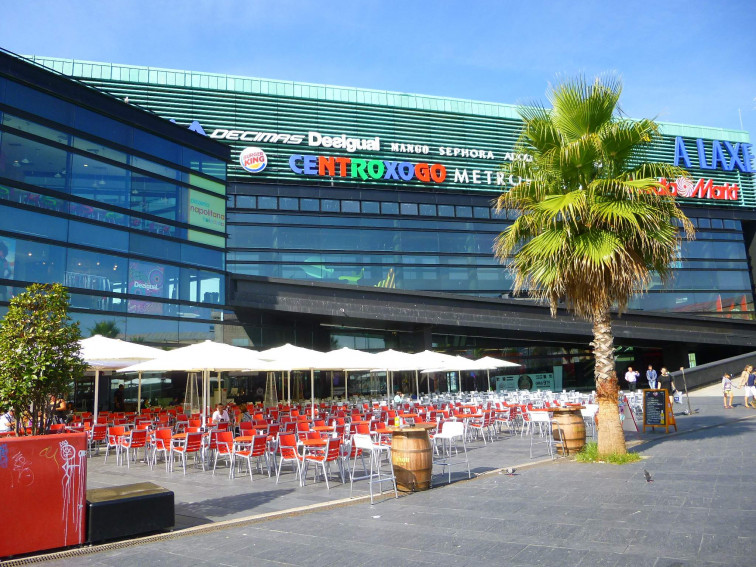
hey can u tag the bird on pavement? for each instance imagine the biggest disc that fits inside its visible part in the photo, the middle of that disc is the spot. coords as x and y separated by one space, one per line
648 476
510 471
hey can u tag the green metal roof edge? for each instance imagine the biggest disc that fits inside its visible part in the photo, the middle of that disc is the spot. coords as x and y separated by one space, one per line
369 96
255 86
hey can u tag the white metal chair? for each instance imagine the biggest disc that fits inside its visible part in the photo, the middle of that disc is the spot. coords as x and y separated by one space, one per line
377 454
589 417
451 431
541 428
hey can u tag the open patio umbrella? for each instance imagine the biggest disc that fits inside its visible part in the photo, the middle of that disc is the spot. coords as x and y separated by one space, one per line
432 361
391 361
103 353
289 357
347 359
487 363
205 357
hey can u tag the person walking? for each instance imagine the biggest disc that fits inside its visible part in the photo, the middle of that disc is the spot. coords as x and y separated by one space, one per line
651 376
747 382
631 377
666 382
727 390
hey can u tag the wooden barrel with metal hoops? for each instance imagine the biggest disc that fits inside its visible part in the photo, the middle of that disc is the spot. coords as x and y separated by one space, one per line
412 458
569 430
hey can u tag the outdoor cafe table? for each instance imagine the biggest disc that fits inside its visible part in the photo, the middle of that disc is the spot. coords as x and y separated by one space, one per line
568 427
412 457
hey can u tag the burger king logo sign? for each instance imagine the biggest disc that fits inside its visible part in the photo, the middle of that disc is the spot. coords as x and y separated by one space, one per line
253 160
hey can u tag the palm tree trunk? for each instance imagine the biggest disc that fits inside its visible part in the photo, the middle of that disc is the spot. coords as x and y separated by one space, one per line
611 437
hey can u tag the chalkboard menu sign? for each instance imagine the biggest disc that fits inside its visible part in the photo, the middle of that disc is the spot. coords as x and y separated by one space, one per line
656 409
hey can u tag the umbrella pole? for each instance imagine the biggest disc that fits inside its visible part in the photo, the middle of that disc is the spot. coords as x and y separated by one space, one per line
332 384
96 393
417 384
139 394
288 385
205 388
488 375
346 385
312 393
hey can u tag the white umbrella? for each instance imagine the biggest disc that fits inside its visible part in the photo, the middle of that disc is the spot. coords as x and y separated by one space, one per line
488 362
347 359
289 357
102 353
205 357
440 362
391 361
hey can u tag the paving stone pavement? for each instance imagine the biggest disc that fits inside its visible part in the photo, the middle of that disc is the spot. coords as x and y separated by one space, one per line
699 510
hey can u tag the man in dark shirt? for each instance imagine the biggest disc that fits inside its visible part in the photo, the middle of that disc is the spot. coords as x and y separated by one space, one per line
118 399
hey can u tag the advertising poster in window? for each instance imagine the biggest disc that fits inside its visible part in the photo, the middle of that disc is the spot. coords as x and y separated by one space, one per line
7 264
146 279
541 381
208 212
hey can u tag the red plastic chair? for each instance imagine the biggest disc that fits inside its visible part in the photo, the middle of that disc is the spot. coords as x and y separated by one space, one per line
324 458
96 436
224 447
287 450
114 434
161 443
257 450
191 444
136 439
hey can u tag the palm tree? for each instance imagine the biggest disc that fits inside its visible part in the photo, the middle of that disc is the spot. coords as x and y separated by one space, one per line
592 227
105 328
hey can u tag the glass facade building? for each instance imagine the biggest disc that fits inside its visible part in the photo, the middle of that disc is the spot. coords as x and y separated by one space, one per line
122 207
346 189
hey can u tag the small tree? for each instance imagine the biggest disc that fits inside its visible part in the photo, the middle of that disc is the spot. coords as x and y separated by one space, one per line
39 352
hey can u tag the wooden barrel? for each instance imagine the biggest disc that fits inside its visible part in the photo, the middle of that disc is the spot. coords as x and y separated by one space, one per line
569 430
412 458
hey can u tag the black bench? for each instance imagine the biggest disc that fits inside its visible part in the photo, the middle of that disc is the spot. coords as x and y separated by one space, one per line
128 510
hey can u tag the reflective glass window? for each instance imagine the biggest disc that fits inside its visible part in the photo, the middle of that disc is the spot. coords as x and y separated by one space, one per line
350 206
32 261
481 212
32 162
154 247
102 237
428 210
199 256
193 331
148 327
371 207
288 203
465 212
34 128
704 223
309 204
105 128
720 250
96 271
100 150
158 168
409 208
329 205
103 215
267 203
33 223
389 208
445 211
716 223
155 197
200 162
156 146
35 102
98 302
201 286
246 202
99 181
731 224
151 280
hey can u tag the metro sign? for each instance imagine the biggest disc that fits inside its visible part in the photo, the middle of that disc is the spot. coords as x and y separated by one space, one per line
728 158
701 189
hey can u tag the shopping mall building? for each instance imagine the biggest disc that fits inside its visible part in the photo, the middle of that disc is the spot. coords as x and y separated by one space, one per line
351 217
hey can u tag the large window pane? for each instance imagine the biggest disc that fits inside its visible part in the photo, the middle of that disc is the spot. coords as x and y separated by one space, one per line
33 223
99 181
106 238
96 271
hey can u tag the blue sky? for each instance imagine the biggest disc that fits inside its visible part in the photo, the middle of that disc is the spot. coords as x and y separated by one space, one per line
689 62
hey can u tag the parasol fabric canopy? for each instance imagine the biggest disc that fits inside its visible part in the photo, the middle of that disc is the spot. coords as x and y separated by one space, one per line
347 359
290 357
103 353
489 363
204 356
